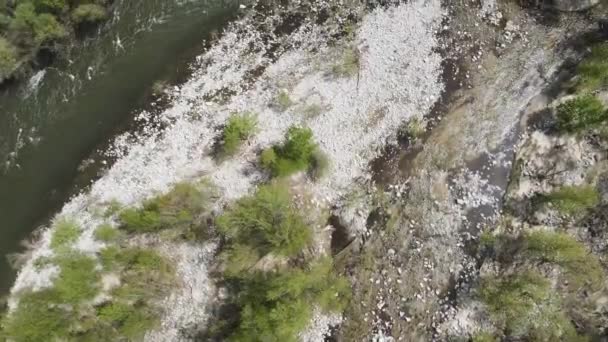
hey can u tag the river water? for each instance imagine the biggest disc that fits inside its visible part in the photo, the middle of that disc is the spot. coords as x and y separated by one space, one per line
59 117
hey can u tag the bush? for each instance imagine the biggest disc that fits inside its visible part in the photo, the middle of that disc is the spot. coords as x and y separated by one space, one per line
36 28
283 101
578 263
238 129
348 65
580 113
267 222
106 233
65 234
78 279
129 321
8 59
484 337
277 306
294 155
54 6
573 200
178 208
512 299
89 13
593 71
47 28
39 317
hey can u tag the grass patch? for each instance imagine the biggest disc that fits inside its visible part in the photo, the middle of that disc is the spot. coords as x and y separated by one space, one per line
106 233
296 154
277 306
39 317
282 101
267 222
238 129
348 64
580 113
573 200
179 208
579 264
415 128
65 233
593 70
78 279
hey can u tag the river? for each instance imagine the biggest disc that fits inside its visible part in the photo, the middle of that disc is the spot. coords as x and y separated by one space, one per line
63 114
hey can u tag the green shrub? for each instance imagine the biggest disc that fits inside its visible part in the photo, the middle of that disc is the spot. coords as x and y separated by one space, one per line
78 279
8 58
39 317
277 306
267 222
580 113
65 233
348 65
47 28
238 129
593 70
578 263
178 208
106 233
130 321
239 258
294 155
484 337
512 299
89 13
283 101
415 128
573 200
54 6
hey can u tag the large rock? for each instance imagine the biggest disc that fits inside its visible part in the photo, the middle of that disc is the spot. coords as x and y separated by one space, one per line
573 5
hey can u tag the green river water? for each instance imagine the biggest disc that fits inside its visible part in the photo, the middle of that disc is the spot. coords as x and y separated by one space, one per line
52 122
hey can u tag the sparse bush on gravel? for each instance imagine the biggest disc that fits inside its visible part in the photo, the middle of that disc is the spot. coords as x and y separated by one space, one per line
267 222
65 233
580 113
348 65
276 306
593 70
297 153
178 208
238 129
573 200
283 101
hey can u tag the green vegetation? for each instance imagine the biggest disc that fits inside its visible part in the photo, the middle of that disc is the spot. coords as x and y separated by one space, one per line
283 101
179 208
8 58
319 164
238 129
593 71
106 233
267 221
90 13
524 305
561 249
573 200
484 337
348 65
277 306
26 26
312 111
129 321
77 280
65 233
580 113
415 128
297 153
38 318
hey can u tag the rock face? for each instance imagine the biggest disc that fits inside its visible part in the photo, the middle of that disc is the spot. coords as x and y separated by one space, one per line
573 5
